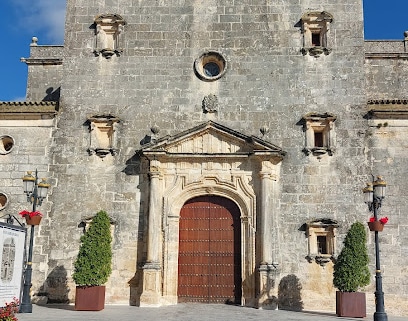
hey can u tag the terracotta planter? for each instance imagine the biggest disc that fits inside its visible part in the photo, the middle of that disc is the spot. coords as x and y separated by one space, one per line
90 298
35 220
375 226
351 304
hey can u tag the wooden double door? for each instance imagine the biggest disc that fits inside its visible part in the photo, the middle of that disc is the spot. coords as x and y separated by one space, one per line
209 262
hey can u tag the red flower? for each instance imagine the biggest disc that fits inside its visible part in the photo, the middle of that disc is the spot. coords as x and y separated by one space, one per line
24 213
382 220
30 215
36 213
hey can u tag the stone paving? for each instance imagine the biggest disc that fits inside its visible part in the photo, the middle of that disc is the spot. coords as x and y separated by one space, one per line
180 312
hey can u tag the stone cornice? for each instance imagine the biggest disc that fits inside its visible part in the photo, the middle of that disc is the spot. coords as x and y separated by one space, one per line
386 55
42 61
387 109
28 109
387 102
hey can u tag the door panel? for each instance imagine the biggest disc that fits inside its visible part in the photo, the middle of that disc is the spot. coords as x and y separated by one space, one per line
209 267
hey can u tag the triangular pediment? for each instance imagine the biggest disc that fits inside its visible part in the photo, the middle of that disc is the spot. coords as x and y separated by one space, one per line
211 138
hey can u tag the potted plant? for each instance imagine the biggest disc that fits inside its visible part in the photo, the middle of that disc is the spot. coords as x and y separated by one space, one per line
351 273
32 218
92 267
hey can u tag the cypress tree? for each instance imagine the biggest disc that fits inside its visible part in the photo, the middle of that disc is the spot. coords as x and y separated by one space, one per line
351 268
93 263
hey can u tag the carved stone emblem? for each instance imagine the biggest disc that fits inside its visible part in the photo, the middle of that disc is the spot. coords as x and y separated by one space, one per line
210 103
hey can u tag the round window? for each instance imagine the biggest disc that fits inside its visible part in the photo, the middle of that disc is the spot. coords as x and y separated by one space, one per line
211 69
210 66
3 200
6 144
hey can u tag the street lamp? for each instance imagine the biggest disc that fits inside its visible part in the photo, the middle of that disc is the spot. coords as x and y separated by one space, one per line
36 193
374 193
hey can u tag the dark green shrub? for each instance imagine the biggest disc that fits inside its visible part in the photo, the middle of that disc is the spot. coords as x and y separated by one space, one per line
94 260
351 268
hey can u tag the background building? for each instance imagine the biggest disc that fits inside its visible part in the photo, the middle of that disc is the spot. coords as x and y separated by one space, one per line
255 123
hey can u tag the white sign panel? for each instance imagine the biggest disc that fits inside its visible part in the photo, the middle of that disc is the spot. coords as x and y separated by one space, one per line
12 239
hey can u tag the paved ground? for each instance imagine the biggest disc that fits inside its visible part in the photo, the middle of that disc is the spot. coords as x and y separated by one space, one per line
180 312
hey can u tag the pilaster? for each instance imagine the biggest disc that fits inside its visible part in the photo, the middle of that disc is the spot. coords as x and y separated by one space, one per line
152 269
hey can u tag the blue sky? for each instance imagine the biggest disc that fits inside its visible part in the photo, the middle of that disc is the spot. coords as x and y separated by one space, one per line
23 19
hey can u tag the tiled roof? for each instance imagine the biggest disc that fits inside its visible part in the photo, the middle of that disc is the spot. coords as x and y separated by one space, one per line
29 107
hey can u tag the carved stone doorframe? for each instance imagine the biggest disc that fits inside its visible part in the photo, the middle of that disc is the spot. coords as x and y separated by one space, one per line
209 159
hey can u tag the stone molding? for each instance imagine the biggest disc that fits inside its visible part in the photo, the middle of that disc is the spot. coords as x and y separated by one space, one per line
28 110
209 159
387 109
103 131
108 29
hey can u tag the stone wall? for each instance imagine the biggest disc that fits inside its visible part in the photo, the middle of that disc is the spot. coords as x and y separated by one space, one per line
28 154
269 83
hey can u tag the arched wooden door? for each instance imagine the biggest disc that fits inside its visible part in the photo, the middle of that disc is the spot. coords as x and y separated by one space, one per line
209 263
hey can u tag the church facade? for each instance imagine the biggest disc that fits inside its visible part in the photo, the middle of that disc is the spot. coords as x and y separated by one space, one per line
228 140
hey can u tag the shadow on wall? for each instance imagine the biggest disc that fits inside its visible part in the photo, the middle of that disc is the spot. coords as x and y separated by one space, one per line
55 288
136 167
289 293
52 95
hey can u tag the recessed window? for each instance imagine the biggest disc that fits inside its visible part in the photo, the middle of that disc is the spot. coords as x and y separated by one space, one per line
315 29
316 39
210 66
211 69
318 139
319 134
108 29
103 135
6 144
322 244
321 240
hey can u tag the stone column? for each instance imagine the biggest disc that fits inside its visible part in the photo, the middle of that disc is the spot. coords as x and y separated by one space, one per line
265 222
152 269
267 229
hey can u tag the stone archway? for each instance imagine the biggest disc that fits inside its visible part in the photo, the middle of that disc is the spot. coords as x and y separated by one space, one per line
209 259
214 160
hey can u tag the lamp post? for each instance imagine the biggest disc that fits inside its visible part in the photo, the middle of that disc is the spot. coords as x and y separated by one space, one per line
36 193
374 193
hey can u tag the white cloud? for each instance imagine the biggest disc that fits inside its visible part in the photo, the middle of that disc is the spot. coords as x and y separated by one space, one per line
46 17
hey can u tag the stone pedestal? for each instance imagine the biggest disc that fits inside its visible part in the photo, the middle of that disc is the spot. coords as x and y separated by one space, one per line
268 290
151 285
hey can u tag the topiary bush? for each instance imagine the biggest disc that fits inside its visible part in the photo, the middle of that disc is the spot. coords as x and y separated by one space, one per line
351 268
93 265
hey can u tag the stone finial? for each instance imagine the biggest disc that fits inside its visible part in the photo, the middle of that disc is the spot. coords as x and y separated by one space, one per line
264 130
406 35
155 129
34 41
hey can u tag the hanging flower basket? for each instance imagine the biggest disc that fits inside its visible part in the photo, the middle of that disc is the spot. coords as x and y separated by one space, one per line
375 226
35 220
32 218
378 226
